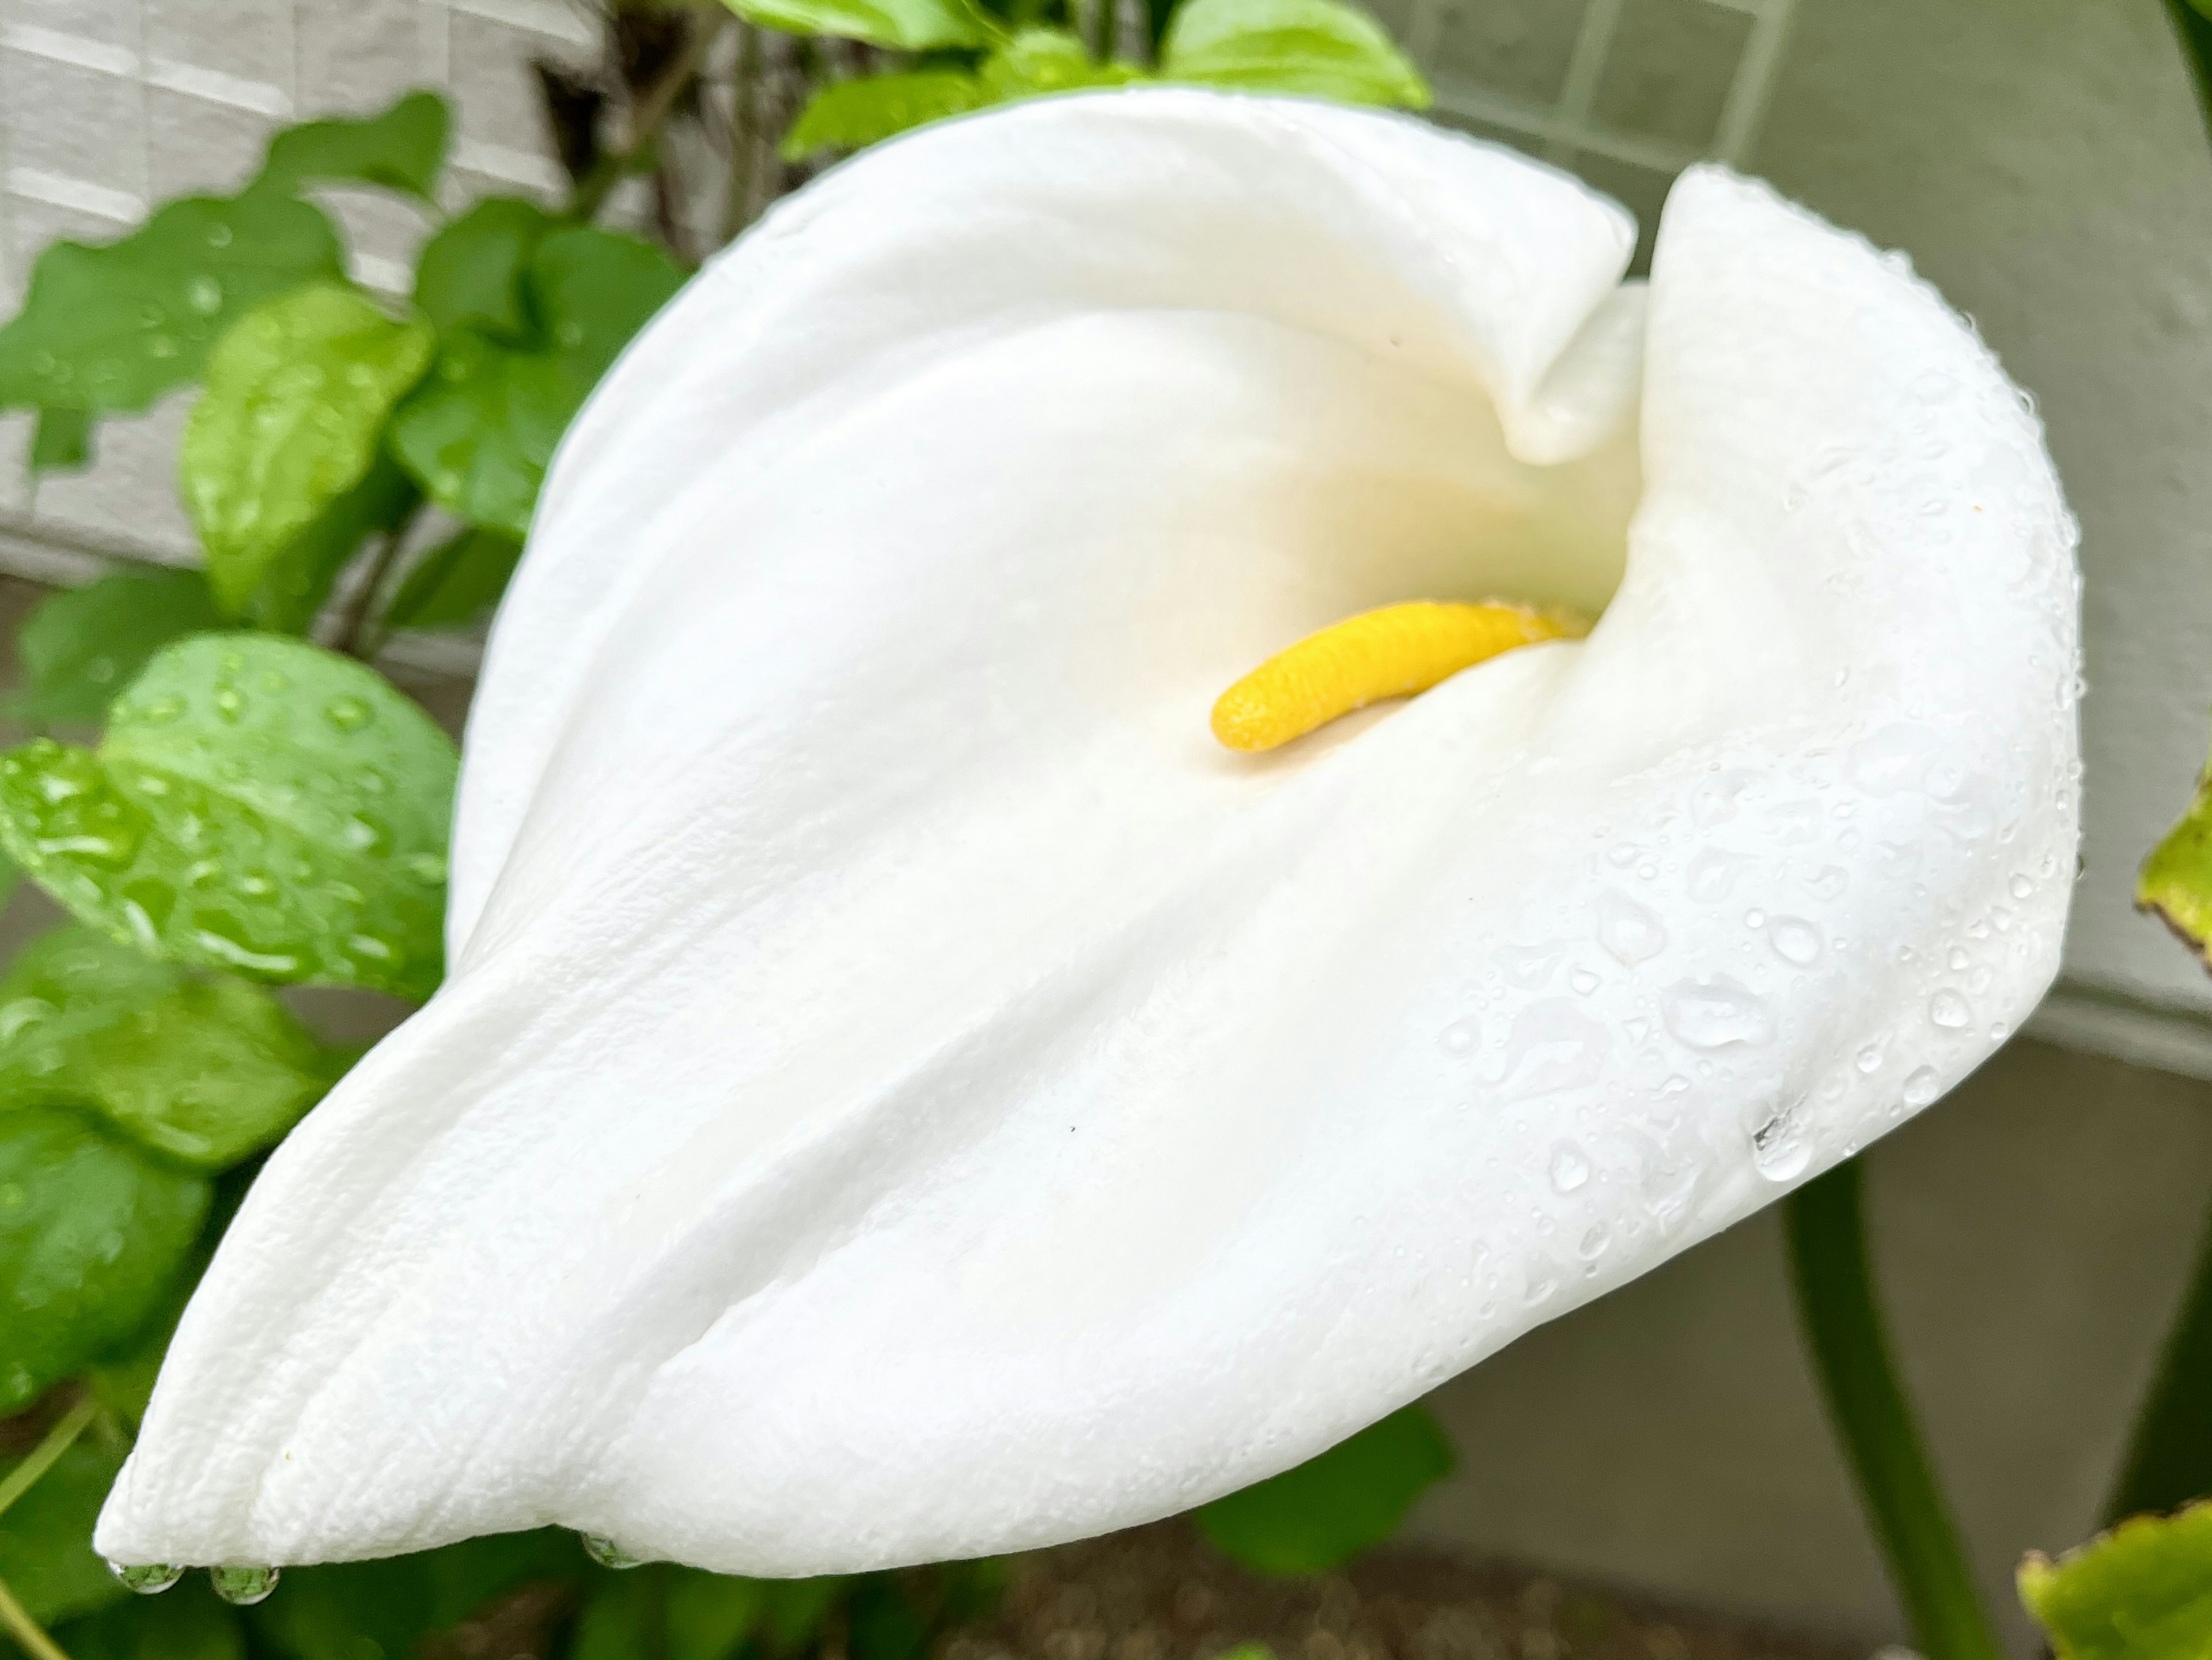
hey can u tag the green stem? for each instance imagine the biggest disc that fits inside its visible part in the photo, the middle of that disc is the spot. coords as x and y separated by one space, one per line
2169 1459
1826 1229
19 1625
40 1459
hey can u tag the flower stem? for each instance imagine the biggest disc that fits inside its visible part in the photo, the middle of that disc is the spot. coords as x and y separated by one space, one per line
2169 1459
353 635
27 1631
1825 1224
59 1439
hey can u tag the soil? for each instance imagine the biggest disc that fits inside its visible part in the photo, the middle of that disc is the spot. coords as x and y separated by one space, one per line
1162 1593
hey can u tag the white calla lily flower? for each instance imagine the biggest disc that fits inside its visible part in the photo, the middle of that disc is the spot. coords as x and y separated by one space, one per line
902 1090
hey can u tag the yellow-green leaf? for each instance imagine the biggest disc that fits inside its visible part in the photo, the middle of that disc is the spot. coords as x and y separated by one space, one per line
850 115
2142 1591
1316 48
298 392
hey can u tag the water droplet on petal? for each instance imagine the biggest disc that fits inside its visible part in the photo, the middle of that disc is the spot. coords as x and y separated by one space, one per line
1460 1036
1553 1046
147 1578
1630 932
1794 940
1949 1010
1920 1086
244 1586
1715 1013
1780 1147
1712 872
1570 1168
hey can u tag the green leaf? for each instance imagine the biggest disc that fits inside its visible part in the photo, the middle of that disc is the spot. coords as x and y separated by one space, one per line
45 1536
1037 62
2192 23
1319 48
258 804
2142 1591
298 392
299 579
204 1071
850 115
190 1623
456 582
477 435
63 442
402 149
470 273
81 647
92 1232
899 25
795 1610
1309 1519
2175 883
350 1610
116 326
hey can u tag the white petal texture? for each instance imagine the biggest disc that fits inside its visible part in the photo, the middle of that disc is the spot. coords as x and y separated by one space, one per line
903 1091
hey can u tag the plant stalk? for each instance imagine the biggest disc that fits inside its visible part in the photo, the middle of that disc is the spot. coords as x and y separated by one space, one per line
1825 1221
2169 1459
40 1459
353 636
29 1636
647 116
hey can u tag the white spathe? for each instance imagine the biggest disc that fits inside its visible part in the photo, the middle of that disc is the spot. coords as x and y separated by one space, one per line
903 1091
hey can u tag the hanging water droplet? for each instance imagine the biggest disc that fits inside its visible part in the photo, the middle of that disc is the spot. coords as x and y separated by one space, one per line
1460 1038
607 1553
1949 1010
1715 1013
1570 1168
1630 932
147 1578
1920 1086
1794 940
1780 1147
243 1586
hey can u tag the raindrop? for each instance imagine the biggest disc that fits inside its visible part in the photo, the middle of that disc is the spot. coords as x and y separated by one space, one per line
1949 1010
1630 932
347 713
2021 887
1958 960
1582 981
1780 1148
1712 872
1594 1242
1754 918
1794 940
1570 1168
147 1578
1869 1059
1797 821
1920 1087
1460 1036
607 1553
1828 882
218 236
229 703
1553 1046
244 1586
1715 1013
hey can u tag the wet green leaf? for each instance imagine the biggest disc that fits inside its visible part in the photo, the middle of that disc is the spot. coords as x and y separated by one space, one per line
402 149
900 25
477 435
2142 1591
81 647
259 804
2175 883
114 327
470 273
365 1610
203 1071
1318 48
850 115
92 1233
45 1536
1327 1509
298 579
298 393
189 1622
62 441
1037 62
457 582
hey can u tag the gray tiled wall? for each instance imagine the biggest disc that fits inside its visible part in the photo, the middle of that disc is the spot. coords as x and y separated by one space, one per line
112 104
